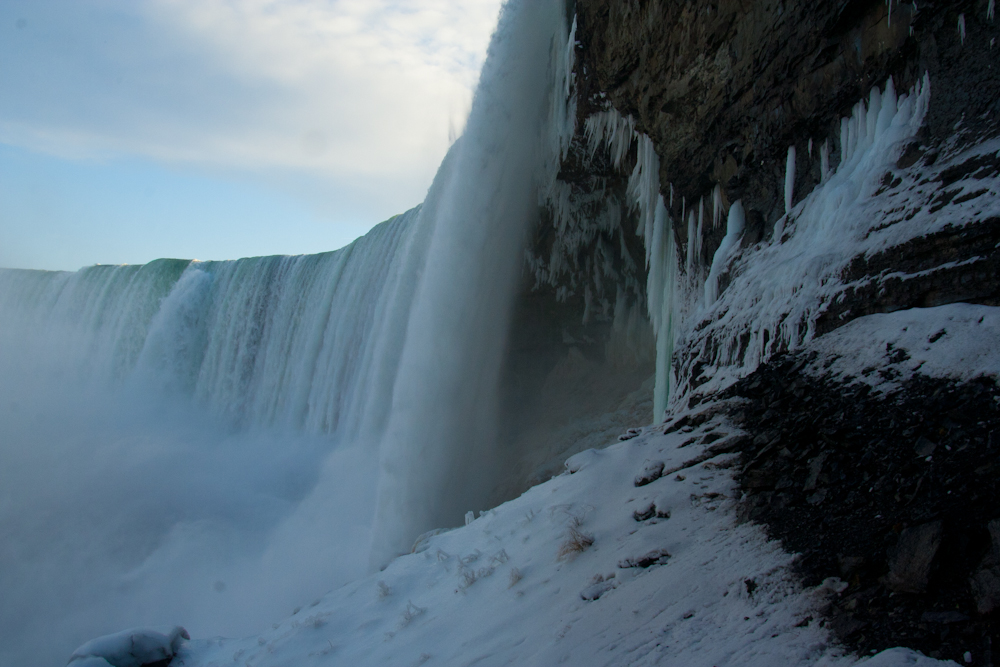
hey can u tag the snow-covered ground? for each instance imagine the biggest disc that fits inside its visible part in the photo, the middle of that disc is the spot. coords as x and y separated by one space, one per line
585 569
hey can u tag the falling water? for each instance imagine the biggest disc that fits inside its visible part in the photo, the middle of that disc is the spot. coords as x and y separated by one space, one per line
213 443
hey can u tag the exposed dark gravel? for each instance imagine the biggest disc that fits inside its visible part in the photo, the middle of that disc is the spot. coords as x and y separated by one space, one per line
892 494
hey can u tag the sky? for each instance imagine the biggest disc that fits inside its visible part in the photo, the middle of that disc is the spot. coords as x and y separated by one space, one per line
218 129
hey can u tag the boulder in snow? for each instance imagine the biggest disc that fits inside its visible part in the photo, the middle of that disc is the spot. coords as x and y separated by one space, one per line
910 562
130 648
650 473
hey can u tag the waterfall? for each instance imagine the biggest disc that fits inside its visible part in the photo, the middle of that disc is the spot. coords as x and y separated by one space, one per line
437 454
260 342
191 441
213 443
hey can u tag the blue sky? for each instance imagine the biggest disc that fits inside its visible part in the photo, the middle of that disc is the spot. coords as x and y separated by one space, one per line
218 129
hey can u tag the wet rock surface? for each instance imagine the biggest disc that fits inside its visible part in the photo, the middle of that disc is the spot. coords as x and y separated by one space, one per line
896 495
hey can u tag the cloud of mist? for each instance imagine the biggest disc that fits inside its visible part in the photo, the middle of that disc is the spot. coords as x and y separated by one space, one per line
133 507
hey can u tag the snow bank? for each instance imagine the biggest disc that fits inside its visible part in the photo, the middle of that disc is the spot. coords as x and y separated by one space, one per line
130 648
902 657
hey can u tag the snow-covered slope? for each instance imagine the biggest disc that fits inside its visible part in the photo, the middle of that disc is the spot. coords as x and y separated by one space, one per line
585 569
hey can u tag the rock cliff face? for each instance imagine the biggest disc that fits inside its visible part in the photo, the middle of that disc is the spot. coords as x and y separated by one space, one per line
726 92
723 91
724 88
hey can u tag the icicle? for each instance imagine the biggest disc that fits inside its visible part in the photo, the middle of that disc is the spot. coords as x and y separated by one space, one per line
810 149
611 129
661 303
871 118
824 161
655 227
845 140
860 123
701 226
961 26
692 241
734 229
716 206
923 94
855 131
775 302
887 111
991 10
569 59
644 189
888 20
563 111
789 179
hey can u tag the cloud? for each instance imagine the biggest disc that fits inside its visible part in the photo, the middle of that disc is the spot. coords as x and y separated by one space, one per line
345 88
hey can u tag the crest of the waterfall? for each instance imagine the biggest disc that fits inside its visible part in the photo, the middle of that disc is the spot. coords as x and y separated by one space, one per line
438 449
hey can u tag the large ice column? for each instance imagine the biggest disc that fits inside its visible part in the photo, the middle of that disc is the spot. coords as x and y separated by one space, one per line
656 229
661 292
789 179
730 243
437 452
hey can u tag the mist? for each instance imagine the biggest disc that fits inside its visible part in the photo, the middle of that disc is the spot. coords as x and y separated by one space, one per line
137 507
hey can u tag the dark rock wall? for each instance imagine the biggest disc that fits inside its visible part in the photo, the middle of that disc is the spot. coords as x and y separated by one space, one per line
724 88
897 495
